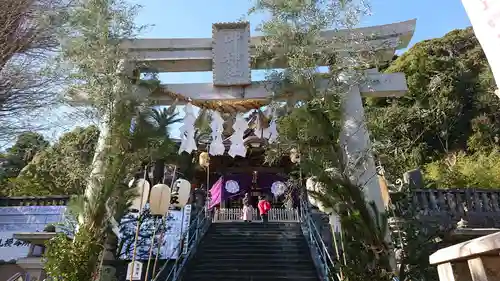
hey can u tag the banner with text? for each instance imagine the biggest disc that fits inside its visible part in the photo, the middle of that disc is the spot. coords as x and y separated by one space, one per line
24 219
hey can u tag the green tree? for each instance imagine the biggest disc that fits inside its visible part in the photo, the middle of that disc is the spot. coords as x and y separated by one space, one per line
98 64
27 145
479 170
313 125
450 105
61 169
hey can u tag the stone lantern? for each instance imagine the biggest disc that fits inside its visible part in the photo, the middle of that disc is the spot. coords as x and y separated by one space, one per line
33 262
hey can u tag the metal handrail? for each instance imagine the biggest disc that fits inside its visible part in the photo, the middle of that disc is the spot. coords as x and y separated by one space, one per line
317 245
203 221
200 226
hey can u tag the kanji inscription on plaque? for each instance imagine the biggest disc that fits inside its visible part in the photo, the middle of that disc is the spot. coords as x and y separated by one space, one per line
231 54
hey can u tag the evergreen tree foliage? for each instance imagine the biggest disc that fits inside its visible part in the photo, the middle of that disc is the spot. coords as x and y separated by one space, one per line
61 169
27 145
450 105
92 47
313 125
479 170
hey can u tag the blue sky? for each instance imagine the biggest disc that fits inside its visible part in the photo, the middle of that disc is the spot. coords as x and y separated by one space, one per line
194 18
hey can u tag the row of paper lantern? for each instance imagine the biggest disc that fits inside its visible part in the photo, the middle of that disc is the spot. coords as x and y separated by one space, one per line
161 196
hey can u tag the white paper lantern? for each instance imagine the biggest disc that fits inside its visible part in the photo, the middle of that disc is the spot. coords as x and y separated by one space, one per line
294 156
159 201
320 188
232 186
142 188
278 188
181 191
311 186
316 187
204 159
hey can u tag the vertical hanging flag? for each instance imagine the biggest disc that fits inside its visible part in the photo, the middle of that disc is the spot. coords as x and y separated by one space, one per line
485 18
216 193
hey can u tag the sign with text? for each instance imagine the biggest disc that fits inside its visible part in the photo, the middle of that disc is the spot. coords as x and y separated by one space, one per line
485 18
24 219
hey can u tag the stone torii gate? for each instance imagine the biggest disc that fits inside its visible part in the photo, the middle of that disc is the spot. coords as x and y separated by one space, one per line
228 54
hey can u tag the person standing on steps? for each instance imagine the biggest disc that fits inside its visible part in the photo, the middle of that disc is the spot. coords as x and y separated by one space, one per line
247 209
264 207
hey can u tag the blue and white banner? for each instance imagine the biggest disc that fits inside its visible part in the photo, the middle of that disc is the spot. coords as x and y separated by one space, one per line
35 218
24 219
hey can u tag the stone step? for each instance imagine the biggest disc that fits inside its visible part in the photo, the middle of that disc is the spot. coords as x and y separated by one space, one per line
248 278
261 251
243 264
254 238
255 229
239 251
274 256
251 246
264 235
256 225
254 273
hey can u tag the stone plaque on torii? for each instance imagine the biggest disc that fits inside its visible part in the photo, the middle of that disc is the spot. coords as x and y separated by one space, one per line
229 55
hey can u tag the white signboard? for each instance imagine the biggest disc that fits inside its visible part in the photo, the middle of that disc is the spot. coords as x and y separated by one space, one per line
134 269
185 227
24 219
485 18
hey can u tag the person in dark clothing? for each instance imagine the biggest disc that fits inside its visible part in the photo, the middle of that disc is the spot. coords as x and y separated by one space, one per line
264 207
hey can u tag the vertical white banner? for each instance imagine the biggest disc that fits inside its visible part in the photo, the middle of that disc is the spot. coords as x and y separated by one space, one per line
485 18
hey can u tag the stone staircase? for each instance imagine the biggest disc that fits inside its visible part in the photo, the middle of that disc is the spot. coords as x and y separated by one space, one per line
238 251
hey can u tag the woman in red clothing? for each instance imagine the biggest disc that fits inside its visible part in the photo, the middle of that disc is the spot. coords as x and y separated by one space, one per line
264 207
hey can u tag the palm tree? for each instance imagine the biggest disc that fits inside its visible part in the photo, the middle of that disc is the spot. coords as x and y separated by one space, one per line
151 130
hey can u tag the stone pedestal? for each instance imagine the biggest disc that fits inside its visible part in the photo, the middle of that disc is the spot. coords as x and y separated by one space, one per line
474 260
